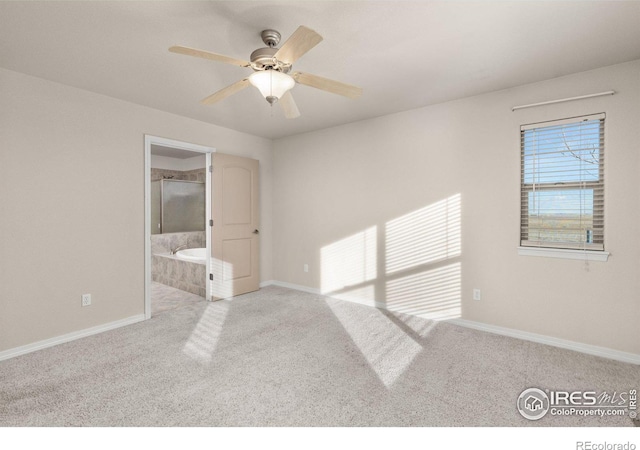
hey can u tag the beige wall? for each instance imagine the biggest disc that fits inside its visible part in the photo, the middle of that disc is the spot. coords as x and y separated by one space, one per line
342 190
72 204
331 185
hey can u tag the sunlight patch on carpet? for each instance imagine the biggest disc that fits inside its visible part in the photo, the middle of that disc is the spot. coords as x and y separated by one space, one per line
204 338
388 348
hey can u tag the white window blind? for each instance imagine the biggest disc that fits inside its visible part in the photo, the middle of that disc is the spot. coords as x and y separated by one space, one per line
562 184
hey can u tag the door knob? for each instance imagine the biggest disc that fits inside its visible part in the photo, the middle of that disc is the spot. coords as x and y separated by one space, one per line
256 232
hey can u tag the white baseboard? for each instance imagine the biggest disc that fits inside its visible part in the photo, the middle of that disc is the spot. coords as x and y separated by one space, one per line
524 335
548 340
23 350
296 287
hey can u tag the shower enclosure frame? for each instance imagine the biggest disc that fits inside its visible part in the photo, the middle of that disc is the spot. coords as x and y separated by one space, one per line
164 142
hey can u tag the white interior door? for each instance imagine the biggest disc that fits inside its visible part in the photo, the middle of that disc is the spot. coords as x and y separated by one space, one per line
235 234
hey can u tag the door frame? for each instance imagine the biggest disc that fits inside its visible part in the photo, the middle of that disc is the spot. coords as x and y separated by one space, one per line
148 141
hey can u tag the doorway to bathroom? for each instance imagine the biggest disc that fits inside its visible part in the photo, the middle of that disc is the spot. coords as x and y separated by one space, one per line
178 187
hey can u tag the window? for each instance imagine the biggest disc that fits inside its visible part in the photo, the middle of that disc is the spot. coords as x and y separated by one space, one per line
562 184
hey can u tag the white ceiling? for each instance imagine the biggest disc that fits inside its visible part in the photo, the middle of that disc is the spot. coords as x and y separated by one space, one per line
403 54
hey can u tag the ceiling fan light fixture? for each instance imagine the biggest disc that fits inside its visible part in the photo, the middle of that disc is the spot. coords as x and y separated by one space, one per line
272 84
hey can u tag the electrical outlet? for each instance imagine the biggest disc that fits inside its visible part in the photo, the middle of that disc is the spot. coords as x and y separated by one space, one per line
476 294
86 299
306 267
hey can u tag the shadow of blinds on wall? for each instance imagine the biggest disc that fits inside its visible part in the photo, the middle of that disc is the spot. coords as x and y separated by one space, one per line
562 184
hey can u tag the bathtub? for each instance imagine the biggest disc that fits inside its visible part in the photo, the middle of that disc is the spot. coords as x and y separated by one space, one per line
198 255
186 270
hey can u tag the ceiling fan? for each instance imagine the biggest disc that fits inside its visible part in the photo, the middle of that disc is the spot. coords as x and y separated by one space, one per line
272 70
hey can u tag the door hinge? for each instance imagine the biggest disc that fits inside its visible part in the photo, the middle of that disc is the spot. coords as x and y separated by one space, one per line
210 222
210 168
211 276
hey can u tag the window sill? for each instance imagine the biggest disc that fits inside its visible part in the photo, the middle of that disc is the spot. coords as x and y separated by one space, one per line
589 255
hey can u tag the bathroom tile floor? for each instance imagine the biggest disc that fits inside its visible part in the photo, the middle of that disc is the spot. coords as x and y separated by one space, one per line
165 298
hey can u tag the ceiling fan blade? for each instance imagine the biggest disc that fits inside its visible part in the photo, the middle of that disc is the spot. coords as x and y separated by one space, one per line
328 85
226 92
289 106
208 55
300 42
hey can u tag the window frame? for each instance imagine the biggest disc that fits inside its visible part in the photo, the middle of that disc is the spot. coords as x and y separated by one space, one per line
562 249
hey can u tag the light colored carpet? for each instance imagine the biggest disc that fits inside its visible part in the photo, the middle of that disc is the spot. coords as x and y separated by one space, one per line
282 357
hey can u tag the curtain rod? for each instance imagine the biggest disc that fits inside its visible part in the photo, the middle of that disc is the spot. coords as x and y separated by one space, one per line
599 94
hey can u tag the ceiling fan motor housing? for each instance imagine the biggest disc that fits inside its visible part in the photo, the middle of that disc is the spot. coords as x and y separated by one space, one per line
263 59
